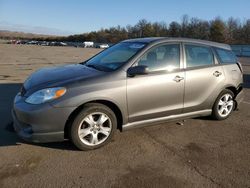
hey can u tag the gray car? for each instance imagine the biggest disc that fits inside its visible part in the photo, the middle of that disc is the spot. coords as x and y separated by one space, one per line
132 84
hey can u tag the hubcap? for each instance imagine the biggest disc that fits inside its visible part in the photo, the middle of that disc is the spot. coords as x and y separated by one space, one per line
95 128
225 105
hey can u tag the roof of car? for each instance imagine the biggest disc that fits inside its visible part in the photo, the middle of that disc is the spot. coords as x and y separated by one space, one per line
170 39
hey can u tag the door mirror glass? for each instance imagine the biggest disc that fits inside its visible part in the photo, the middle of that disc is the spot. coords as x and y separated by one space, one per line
137 70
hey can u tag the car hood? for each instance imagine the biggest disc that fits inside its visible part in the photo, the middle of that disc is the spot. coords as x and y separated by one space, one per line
60 74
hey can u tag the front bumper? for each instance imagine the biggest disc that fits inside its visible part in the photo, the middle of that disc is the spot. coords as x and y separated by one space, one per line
26 133
39 123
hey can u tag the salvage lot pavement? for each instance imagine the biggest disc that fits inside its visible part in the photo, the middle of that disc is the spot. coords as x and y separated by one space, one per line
200 153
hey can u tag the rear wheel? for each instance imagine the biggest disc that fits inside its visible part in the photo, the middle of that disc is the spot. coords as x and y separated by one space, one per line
93 127
224 105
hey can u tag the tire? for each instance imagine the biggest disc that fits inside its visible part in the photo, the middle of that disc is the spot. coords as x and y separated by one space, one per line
224 105
93 127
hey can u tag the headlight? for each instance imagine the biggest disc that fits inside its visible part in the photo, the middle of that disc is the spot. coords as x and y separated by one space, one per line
45 95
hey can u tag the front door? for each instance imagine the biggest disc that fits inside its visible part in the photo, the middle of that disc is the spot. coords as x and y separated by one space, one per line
159 93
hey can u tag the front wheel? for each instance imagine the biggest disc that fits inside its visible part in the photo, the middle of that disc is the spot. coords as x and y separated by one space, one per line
93 127
224 105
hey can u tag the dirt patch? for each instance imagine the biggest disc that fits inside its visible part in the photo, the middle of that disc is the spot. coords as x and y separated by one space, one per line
147 177
4 76
194 147
18 169
195 154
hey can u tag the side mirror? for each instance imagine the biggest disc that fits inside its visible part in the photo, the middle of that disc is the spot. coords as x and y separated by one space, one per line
137 70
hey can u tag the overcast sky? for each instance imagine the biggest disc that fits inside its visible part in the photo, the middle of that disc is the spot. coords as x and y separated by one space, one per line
64 17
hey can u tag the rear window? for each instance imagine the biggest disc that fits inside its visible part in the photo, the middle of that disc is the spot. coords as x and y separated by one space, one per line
226 56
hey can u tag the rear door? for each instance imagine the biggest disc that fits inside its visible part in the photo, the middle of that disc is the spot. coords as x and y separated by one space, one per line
159 93
231 67
204 77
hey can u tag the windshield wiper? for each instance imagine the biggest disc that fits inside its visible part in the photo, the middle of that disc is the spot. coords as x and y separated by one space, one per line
99 67
92 66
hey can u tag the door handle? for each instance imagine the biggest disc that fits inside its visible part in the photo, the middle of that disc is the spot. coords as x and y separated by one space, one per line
217 73
178 78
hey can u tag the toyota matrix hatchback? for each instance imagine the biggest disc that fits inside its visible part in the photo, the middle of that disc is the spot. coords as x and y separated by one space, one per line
132 84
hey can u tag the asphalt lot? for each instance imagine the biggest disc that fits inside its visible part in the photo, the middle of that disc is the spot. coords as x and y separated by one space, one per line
200 153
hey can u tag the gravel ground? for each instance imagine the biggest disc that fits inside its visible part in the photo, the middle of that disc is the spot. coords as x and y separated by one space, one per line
200 153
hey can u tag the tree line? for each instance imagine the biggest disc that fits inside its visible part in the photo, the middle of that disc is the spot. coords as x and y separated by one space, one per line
231 31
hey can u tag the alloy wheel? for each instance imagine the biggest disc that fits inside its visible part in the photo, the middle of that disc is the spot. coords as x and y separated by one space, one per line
225 105
95 128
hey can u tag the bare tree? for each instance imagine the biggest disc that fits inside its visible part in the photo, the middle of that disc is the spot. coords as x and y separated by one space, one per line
174 29
231 31
184 25
217 30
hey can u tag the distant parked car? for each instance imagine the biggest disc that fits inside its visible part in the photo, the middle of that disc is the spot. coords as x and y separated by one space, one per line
32 42
44 43
103 46
63 44
88 44
18 42
132 84
57 44
23 41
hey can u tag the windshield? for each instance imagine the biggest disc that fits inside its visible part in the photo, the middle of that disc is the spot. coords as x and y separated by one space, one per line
115 56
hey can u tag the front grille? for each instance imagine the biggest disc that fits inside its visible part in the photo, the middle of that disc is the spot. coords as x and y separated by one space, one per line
22 91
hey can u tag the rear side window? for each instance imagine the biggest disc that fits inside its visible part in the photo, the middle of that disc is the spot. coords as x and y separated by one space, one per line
198 56
226 56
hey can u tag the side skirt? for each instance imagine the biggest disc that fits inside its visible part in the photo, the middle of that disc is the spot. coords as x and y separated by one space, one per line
149 122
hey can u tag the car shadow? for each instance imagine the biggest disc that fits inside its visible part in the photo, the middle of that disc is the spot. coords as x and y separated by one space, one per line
246 78
8 136
7 133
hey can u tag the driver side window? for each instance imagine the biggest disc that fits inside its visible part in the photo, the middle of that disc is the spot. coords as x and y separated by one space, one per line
165 57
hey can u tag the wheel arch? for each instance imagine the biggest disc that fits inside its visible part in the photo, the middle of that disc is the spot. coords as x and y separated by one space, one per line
114 107
235 91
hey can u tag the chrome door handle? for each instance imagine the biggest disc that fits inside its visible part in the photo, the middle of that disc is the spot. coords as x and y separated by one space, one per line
217 73
178 78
